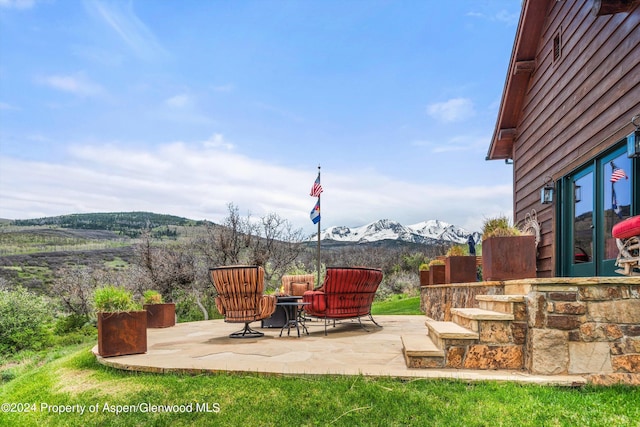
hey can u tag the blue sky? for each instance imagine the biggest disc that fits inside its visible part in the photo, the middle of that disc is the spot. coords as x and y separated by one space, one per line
184 107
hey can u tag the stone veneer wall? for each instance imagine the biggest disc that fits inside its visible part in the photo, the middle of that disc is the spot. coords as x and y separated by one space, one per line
588 326
436 301
584 326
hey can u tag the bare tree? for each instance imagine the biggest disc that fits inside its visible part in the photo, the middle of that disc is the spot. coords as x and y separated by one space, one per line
74 286
233 237
270 242
166 266
275 245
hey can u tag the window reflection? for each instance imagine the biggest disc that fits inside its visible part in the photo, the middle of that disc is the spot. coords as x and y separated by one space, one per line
617 179
583 219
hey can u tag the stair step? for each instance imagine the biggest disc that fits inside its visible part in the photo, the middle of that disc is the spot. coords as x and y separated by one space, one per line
420 345
501 303
481 314
500 298
449 330
420 352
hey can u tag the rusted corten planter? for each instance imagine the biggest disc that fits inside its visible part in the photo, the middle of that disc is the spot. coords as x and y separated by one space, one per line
424 278
460 269
160 315
509 258
122 333
436 274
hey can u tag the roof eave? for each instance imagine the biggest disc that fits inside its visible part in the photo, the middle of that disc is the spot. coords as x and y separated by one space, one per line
521 67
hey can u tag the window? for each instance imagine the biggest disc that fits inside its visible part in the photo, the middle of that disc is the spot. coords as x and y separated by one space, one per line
557 46
595 197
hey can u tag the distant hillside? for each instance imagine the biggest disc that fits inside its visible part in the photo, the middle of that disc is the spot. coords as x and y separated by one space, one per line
124 223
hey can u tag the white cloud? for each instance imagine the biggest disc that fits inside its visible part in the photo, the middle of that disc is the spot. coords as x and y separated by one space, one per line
507 18
77 84
17 4
8 107
453 110
121 18
198 180
501 16
178 101
217 141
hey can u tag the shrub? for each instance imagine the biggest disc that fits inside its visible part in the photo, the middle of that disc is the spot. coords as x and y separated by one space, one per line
436 262
498 227
24 321
424 267
152 297
111 299
457 250
70 323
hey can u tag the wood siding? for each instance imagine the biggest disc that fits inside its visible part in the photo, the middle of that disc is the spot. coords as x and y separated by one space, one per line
575 107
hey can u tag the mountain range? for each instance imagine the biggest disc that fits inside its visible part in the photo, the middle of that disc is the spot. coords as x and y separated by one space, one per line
427 233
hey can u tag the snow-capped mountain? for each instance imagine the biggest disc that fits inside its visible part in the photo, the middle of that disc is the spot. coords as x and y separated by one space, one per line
426 232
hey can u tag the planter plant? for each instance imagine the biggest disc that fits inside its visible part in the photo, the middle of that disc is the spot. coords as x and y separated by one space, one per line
460 267
424 275
436 272
507 254
160 314
122 324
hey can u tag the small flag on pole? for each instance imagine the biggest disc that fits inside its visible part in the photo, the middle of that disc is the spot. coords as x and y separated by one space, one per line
317 188
315 213
617 173
614 205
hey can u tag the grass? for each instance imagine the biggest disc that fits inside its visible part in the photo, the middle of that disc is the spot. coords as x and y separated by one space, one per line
71 379
397 304
78 381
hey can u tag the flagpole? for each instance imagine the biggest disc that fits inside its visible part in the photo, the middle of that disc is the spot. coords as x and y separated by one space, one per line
319 232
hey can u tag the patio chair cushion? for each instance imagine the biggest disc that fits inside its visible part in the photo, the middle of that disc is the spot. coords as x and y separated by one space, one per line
297 284
318 301
628 228
240 297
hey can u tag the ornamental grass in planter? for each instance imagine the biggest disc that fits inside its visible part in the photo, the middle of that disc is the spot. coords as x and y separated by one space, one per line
460 267
424 275
507 254
160 314
436 272
122 324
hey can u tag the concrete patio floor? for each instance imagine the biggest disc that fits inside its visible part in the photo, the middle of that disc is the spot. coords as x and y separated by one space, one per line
204 347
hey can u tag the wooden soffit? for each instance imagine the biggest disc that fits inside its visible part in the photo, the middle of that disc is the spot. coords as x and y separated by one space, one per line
521 67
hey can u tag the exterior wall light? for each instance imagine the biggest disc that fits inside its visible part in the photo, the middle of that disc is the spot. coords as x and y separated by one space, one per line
633 139
546 193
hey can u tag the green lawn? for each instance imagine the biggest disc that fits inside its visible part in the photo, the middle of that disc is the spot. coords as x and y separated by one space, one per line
397 304
51 391
115 398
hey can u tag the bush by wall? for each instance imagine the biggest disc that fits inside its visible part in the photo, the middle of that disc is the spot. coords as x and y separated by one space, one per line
25 321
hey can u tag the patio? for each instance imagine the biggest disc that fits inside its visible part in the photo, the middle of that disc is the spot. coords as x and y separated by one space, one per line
204 347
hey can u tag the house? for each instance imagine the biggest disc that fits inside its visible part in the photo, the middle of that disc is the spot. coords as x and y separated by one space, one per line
572 91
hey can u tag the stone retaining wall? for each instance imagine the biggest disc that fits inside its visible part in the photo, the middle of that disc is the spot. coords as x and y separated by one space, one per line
584 326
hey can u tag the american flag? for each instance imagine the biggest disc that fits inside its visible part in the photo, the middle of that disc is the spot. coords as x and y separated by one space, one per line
617 173
317 188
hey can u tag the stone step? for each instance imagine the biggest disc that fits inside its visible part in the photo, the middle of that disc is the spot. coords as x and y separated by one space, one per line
481 314
420 352
470 318
501 298
440 332
501 303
